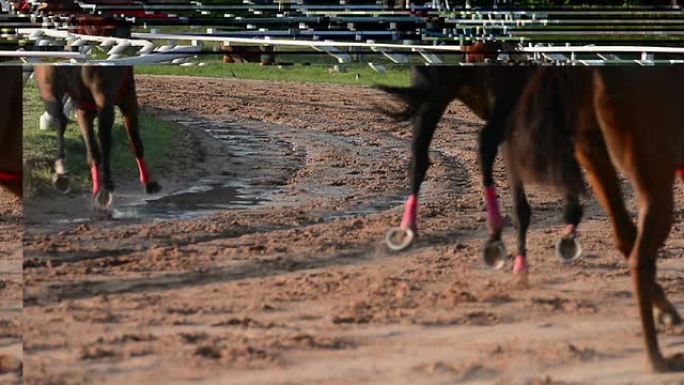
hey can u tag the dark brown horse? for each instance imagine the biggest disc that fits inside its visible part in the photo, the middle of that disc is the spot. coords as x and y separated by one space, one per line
11 129
96 91
619 117
491 92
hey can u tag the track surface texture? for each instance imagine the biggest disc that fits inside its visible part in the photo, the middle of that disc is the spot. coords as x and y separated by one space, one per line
11 228
298 288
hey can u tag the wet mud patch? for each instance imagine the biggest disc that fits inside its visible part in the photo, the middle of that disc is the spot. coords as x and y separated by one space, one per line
255 165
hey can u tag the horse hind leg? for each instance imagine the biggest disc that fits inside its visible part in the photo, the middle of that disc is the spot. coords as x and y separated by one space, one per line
55 115
491 136
568 247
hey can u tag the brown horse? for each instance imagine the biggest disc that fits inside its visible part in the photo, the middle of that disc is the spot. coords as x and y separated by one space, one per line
96 90
481 51
11 129
491 92
622 117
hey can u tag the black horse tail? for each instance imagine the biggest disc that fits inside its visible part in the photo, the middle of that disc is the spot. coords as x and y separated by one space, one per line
541 140
413 97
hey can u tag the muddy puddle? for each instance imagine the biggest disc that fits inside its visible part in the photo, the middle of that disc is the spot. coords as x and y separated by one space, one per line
256 167
196 201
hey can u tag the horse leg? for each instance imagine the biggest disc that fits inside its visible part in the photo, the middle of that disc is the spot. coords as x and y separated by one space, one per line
650 160
86 119
61 177
593 156
105 120
129 110
491 137
568 247
522 214
53 106
655 219
424 125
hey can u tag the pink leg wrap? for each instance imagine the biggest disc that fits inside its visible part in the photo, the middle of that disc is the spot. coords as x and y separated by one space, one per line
144 174
96 178
494 219
520 264
10 176
410 211
569 229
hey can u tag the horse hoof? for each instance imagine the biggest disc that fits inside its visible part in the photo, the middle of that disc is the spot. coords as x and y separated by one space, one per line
568 249
152 188
398 239
494 254
103 199
61 183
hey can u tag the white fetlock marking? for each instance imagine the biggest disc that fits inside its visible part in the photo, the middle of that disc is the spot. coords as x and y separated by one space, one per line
60 167
68 109
46 121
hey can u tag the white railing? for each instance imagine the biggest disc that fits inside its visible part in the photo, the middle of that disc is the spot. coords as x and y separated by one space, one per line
42 54
149 53
407 47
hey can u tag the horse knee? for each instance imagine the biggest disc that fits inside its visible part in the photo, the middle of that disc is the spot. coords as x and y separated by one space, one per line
642 264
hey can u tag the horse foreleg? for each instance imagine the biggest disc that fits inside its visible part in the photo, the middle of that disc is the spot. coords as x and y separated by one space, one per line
491 137
85 119
129 110
424 125
522 214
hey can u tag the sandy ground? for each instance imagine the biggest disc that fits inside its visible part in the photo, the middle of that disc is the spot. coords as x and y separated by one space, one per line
11 228
299 289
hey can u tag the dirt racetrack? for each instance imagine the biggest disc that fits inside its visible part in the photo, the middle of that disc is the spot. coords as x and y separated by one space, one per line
11 229
284 278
